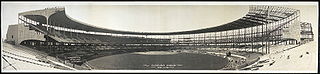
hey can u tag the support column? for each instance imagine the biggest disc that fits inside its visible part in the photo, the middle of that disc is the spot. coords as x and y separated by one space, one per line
251 38
227 40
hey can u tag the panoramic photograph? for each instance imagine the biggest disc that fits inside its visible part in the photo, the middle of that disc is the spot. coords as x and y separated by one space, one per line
218 37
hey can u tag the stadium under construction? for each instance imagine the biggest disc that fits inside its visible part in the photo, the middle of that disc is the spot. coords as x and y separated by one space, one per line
52 31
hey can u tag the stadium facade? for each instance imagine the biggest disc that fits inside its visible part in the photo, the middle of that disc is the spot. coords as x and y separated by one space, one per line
54 32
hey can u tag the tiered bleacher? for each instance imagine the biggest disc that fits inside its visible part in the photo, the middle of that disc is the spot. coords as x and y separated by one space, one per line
300 58
23 60
60 28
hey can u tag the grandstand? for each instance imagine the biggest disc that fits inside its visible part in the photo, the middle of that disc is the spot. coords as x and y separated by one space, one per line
53 32
293 60
22 58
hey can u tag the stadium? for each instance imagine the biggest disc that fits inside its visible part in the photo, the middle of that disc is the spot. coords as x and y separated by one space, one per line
60 42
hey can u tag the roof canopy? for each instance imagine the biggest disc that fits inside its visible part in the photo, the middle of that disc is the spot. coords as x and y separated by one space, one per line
254 17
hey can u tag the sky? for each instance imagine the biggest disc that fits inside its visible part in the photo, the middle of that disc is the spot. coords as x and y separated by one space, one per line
149 17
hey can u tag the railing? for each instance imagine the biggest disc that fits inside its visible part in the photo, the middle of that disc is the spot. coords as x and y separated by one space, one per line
8 63
20 56
27 61
227 38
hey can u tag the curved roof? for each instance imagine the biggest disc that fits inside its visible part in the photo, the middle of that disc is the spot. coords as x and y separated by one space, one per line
253 18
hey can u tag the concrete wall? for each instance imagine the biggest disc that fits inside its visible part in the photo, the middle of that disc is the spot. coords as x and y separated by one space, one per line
293 31
18 33
12 33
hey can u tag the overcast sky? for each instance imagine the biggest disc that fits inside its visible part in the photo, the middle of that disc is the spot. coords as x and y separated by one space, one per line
147 17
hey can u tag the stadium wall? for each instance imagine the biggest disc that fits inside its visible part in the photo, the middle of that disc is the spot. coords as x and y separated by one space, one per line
19 32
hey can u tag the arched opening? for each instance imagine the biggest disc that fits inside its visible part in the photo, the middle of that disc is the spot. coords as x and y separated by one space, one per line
30 43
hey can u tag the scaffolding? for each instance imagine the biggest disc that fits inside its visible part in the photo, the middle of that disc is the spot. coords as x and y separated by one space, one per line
260 28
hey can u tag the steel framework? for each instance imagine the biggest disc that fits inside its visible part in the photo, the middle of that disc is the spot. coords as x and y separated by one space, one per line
262 27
